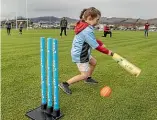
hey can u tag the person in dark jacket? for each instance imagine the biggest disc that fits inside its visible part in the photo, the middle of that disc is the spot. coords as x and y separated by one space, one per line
8 26
63 26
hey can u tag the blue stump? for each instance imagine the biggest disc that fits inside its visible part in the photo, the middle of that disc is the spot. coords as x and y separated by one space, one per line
43 73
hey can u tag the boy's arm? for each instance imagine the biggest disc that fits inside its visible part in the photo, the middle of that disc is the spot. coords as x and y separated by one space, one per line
104 50
99 42
91 40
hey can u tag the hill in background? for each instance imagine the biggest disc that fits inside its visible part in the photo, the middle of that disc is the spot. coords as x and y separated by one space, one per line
51 19
113 20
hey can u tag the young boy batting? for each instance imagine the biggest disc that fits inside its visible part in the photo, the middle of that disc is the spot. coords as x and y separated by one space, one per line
83 41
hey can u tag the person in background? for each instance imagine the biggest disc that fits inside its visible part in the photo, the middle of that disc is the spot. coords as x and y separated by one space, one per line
146 28
20 28
63 26
107 31
8 26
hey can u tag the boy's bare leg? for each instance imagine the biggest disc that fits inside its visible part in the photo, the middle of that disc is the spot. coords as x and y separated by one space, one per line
78 78
65 85
92 63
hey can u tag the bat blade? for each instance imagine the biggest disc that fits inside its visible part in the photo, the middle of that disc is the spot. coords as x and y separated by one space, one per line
131 68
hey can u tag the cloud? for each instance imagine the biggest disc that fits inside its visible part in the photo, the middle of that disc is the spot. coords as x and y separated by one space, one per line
72 8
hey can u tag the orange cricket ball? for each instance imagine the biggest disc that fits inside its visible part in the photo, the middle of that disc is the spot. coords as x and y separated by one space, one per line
105 91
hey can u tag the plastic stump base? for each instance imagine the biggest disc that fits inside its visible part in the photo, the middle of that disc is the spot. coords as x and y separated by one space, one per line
39 114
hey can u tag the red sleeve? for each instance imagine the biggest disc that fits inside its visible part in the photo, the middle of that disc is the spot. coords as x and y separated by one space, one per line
103 50
99 42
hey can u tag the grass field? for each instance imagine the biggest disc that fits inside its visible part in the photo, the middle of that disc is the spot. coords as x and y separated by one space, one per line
132 98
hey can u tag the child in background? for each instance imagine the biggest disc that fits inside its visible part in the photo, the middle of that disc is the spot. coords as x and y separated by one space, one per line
83 41
20 28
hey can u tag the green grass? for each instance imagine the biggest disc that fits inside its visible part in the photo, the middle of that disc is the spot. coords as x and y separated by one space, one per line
132 98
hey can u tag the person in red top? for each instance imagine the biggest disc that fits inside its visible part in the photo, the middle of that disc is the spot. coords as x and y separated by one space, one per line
107 31
146 28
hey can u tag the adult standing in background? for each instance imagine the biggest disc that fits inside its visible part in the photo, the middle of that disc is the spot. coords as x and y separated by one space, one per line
8 26
146 28
63 26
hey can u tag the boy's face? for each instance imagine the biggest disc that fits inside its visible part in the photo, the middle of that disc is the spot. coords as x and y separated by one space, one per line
92 21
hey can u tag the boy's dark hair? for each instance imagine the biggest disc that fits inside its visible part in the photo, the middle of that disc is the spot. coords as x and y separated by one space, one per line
92 11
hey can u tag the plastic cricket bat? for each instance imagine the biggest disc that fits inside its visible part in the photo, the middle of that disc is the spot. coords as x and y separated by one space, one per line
132 69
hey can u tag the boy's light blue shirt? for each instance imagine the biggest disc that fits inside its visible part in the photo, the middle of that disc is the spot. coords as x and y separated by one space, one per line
82 44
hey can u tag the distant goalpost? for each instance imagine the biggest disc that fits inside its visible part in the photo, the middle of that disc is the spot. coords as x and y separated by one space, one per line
17 23
26 9
13 16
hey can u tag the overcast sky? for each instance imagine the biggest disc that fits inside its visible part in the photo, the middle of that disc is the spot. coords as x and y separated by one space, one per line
71 8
